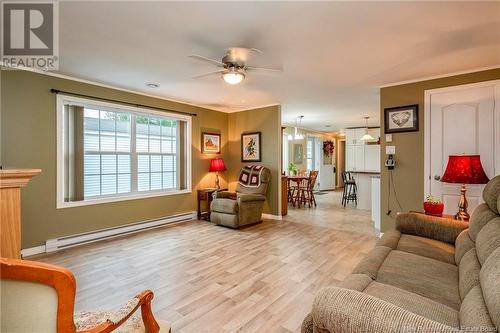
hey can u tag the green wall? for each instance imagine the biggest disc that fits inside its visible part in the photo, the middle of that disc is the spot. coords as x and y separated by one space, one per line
28 140
409 172
268 121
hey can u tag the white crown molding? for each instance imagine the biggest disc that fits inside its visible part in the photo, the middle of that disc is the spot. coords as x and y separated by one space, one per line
101 84
440 76
109 86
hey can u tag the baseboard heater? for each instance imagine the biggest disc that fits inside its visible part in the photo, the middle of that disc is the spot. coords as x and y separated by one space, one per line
61 243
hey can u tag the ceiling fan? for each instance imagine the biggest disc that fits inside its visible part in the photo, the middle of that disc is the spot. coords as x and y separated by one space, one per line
233 66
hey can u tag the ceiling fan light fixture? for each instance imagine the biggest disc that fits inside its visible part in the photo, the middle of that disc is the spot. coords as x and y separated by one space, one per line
233 76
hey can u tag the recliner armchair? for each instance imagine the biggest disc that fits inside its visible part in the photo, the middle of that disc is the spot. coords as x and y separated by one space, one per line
243 207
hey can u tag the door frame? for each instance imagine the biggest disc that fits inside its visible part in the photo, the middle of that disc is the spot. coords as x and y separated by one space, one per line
427 125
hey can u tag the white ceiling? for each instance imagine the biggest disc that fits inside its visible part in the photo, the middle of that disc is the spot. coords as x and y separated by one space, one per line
335 55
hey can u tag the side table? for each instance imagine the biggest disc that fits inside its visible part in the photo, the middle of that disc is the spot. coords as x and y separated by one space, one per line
205 194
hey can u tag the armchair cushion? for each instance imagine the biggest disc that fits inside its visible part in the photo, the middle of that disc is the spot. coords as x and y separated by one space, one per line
86 320
437 228
251 197
224 195
227 206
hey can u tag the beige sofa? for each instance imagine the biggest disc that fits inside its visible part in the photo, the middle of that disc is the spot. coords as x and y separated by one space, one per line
428 275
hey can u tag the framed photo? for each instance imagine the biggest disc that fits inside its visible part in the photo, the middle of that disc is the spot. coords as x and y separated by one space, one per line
210 143
251 147
401 119
298 153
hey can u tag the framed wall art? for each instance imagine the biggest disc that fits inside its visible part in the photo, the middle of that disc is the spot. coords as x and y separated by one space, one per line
401 119
251 147
210 143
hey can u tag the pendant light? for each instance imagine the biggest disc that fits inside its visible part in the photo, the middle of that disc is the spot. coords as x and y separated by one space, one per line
367 137
297 135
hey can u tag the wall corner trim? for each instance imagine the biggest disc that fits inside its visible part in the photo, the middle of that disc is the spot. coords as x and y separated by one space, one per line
272 217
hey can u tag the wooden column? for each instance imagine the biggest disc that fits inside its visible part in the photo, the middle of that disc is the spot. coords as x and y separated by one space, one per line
284 195
11 182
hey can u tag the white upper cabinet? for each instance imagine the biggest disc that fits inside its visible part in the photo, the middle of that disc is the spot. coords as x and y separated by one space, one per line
362 155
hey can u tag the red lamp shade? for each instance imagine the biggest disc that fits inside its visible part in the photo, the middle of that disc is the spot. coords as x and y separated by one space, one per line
217 164
464 169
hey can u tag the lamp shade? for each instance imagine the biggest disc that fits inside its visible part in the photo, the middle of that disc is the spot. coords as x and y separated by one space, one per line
217 164
464 169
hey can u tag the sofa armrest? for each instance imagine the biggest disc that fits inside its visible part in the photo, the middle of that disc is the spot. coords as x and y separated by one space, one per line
437 228
339 310
251 197
224 195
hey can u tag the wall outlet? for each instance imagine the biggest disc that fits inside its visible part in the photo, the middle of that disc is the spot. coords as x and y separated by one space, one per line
388 138
390 150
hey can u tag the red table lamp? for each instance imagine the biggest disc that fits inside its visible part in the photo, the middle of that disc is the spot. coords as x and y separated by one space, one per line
216 165
464 169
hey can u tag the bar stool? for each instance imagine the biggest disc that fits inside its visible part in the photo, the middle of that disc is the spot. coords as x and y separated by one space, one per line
350 192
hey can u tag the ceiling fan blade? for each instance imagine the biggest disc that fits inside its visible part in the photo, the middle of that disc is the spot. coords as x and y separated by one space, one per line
208 74
207 60
263 69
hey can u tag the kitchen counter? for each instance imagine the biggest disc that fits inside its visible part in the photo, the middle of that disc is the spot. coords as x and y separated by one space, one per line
364 184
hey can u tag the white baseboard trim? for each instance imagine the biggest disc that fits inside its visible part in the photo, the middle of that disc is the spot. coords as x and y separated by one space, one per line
31 251
61 243
272 217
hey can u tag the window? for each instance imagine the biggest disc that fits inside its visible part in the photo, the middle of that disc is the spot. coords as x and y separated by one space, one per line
310 153
110 152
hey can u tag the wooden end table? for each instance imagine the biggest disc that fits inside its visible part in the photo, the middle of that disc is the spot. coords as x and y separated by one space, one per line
205 194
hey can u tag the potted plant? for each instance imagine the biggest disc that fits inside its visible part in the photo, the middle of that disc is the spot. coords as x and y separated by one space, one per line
433 206
292 169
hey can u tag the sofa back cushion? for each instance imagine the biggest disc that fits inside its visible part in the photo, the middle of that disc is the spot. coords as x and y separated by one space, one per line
490 277
478 258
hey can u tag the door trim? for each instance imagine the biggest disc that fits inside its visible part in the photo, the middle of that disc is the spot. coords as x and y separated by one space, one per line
427 124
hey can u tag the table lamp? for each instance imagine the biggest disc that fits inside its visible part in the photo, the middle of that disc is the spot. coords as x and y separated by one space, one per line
216 165
464 169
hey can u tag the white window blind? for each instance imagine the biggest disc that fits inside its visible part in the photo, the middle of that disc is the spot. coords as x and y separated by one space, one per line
124 151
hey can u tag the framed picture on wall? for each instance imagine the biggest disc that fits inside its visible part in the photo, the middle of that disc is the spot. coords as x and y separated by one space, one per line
298 153
251 147
210 143
401 119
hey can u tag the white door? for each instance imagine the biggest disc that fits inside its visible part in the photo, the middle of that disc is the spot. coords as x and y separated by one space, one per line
326 169
461 120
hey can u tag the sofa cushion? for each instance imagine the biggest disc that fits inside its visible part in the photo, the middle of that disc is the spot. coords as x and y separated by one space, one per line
427 277
489 277
356 282
417 304
488 239
427 247
473 312
372 261
480 217
390 239
227 206
463 244
468 273
491 194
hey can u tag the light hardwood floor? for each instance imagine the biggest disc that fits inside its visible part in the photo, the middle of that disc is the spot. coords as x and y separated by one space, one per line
213 279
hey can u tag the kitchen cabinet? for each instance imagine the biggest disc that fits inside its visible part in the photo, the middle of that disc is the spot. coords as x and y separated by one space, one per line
355 158
361 155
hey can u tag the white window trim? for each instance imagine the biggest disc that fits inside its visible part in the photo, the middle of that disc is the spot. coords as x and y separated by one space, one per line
66 99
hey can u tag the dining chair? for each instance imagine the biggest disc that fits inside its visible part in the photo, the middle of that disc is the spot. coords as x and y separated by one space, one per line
307 190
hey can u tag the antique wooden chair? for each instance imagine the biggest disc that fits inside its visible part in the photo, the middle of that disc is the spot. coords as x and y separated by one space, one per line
38 297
